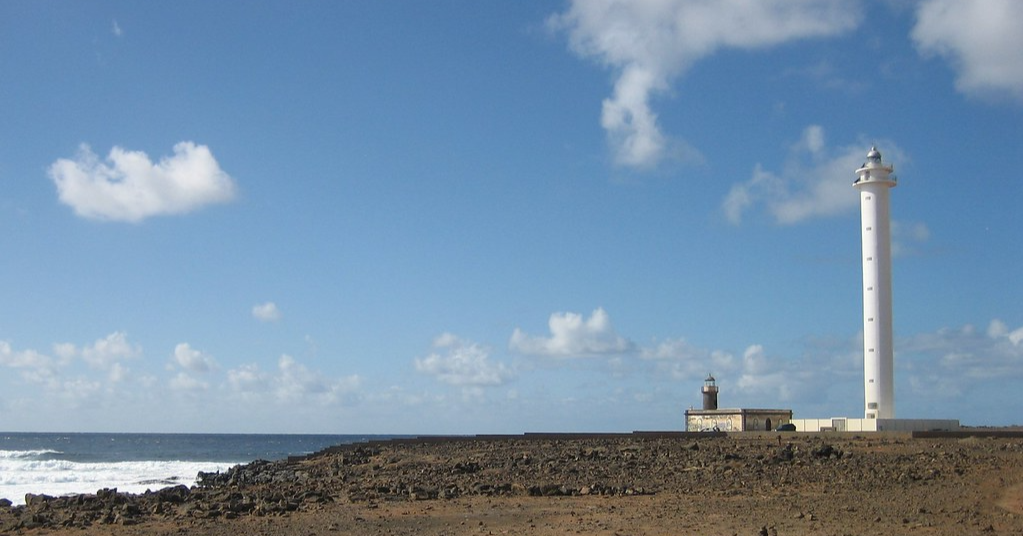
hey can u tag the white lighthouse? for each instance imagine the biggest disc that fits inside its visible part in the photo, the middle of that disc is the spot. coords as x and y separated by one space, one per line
873 182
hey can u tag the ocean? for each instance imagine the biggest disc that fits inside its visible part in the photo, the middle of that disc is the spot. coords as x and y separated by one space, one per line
62 464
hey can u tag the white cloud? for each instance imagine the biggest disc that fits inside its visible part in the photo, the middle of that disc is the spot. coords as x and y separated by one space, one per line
294 380
129 187
266 312
118 373
754 360
104 354
572 336
464 363
65 351
815 182
981 39
649 43
192 360
23 359
116 29
35 367
106 351
997 330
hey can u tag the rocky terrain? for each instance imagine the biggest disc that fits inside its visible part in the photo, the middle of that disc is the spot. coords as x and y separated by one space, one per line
791 484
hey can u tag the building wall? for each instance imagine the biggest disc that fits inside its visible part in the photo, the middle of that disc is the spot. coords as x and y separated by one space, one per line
842 424
838 424
737 420
732 422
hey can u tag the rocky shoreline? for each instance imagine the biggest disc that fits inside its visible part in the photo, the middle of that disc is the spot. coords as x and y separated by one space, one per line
941 486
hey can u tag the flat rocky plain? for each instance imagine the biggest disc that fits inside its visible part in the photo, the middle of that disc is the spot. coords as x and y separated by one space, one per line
784 484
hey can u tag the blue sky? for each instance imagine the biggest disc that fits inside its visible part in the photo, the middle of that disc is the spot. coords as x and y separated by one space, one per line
483 217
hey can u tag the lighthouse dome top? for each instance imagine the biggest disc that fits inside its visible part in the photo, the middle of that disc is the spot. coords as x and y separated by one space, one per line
874 172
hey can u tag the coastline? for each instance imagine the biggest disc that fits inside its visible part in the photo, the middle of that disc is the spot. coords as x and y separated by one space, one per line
62 463
645 482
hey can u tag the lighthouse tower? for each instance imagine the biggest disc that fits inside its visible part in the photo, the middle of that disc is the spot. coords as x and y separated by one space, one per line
710 393
873 182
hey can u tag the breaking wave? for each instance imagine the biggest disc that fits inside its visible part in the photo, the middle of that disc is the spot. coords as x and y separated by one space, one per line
42 472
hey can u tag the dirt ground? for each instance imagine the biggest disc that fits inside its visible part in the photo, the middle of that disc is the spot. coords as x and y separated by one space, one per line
800 485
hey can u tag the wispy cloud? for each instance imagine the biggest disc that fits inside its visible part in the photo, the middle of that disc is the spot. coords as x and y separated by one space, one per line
248 378
776 379
129 187
184 382
115 28
908 237
814 182
963 355
981 39
650 43
292 383
754 376
680 360
113 348
826 75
